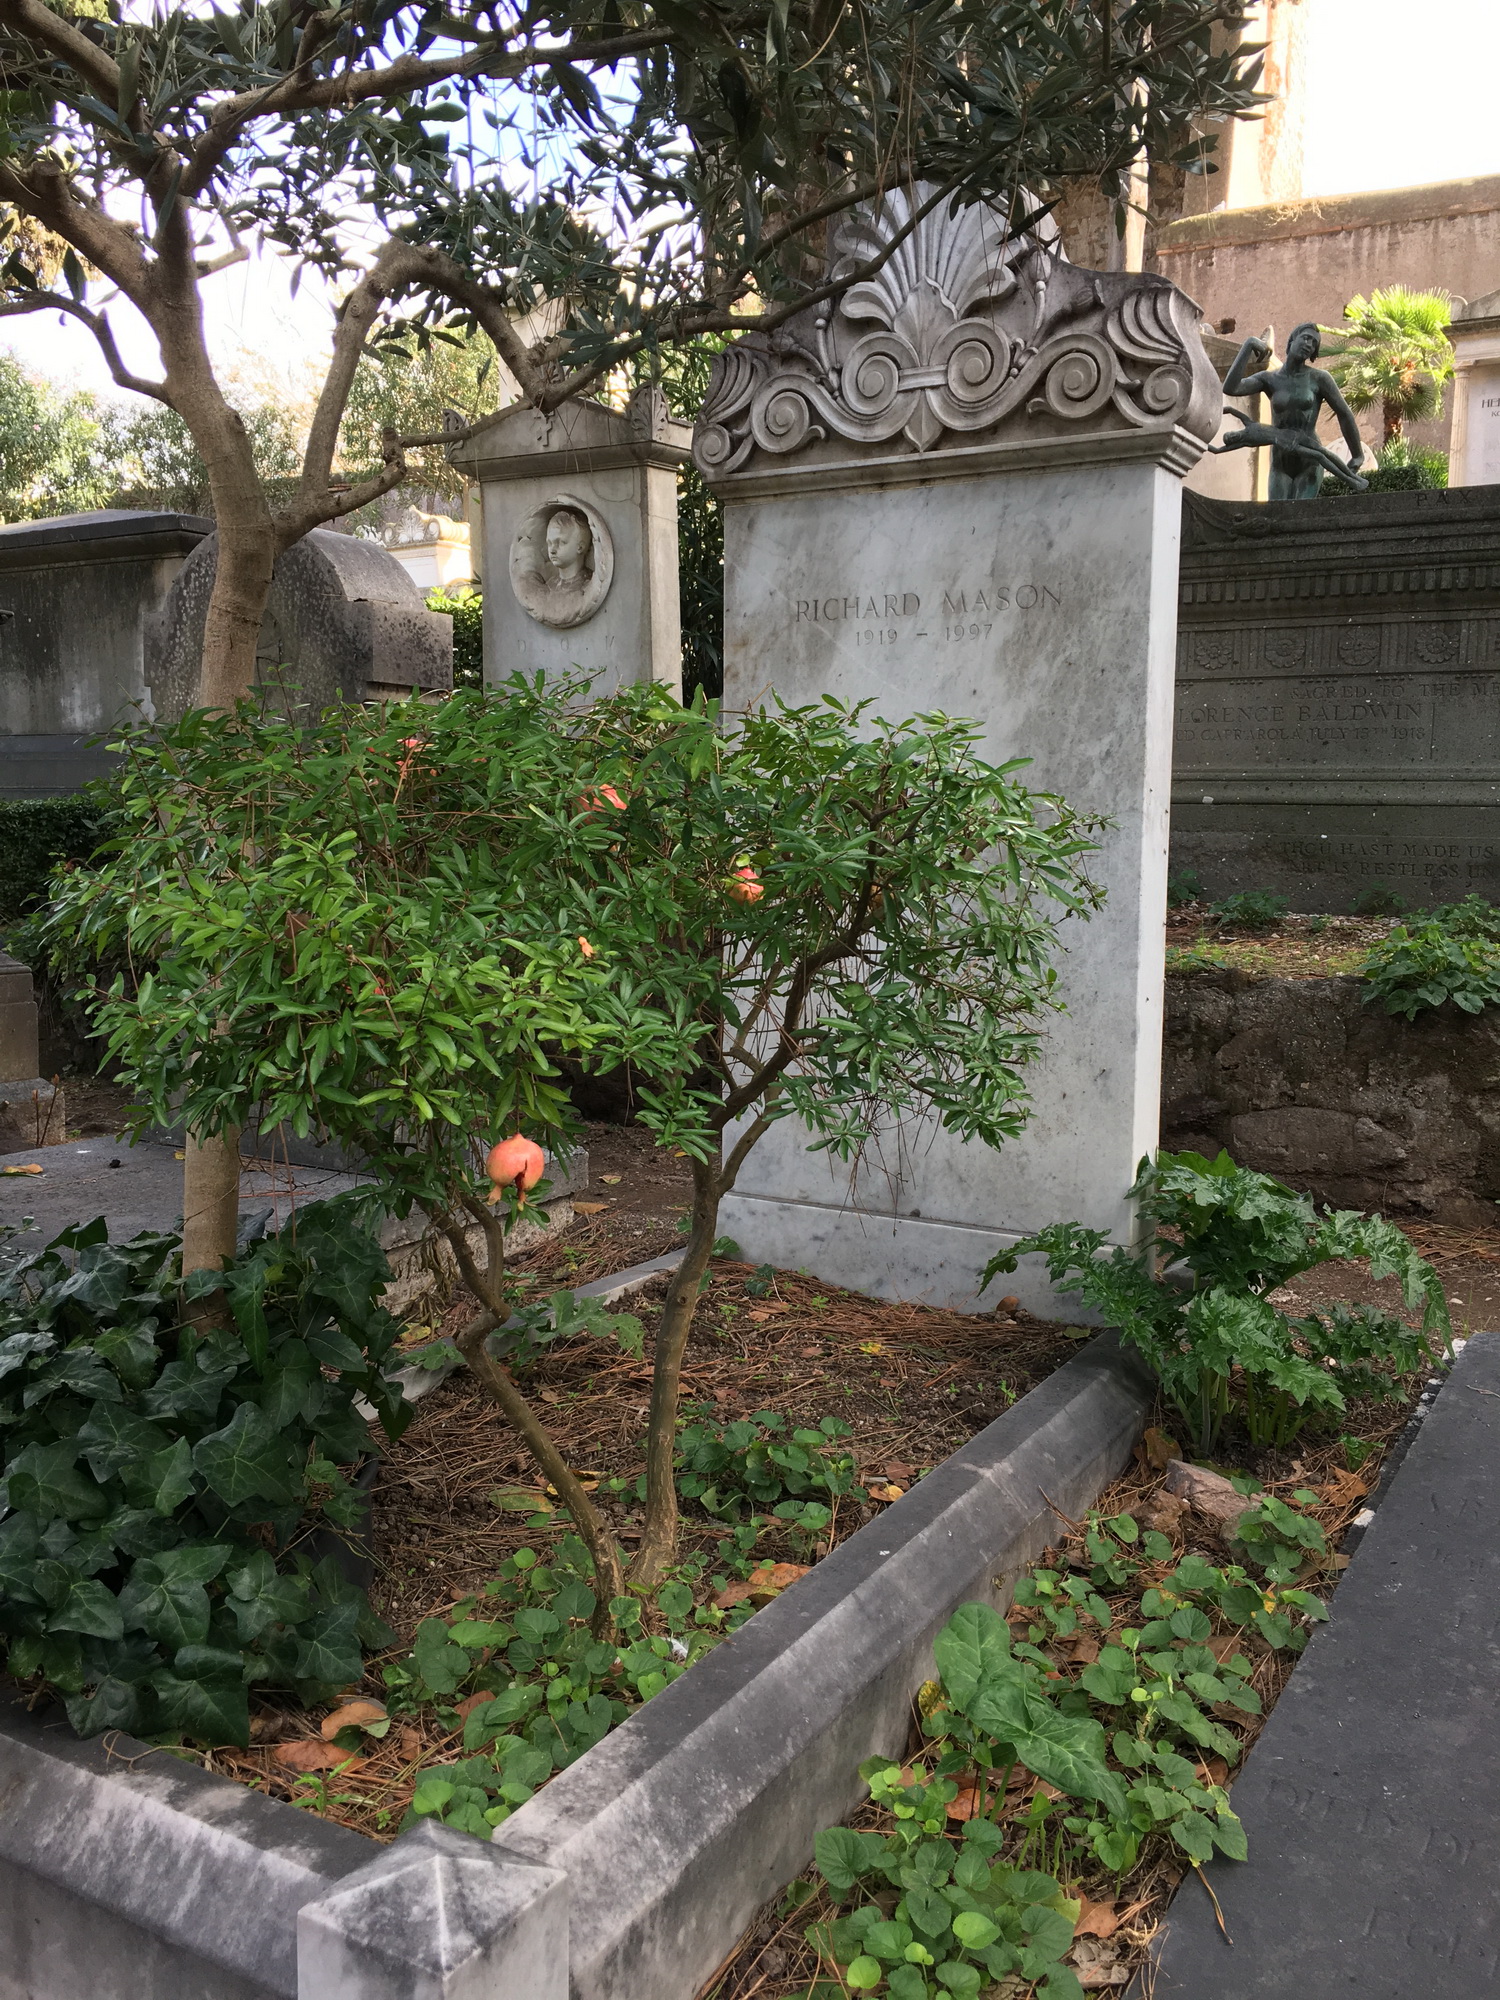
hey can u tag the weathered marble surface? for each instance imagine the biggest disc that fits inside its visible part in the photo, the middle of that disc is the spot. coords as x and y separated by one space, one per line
619 469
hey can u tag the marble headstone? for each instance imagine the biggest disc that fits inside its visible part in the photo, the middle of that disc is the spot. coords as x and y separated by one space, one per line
578 540
959 489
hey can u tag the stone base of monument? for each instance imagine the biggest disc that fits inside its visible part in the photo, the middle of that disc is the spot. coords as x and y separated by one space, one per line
1371 1801
632 1874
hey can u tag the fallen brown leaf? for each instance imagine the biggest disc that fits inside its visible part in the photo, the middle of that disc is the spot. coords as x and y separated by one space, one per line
1343 1487
1211 1771
903 1475
590 1207
1158 1449
353 1714
309 1753
409 1744
809 1353
1085 1651
889 1493
611 1180
761 1585
760 1313
1100 1920
470 1702
967 1805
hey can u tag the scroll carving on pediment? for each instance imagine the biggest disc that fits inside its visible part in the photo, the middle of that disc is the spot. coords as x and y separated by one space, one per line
961 331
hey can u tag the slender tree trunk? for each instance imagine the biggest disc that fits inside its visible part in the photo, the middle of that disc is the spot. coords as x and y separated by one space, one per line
659 1541
609 1580
210 1201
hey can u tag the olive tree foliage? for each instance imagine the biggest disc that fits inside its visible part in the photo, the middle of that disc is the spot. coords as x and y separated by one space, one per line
394 928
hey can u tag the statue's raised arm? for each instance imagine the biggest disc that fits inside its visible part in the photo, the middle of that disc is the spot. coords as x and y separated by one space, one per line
1242 380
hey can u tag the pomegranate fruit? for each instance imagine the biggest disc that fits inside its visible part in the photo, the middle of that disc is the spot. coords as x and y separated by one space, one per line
745 885
596 801
515 1162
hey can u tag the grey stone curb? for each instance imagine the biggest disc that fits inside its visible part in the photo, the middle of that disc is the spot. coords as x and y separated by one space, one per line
126 1874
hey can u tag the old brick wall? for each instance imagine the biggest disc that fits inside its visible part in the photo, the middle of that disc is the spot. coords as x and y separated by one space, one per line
1301 1079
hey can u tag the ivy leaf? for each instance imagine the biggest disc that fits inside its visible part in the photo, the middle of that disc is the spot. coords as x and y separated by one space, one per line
165 1598
188 1389
246 1460
215 1711
329 1649
113 1439
91 1609
114 1704
44 1479
260 1597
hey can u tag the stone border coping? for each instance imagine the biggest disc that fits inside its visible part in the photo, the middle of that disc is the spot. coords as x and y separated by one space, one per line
125 1872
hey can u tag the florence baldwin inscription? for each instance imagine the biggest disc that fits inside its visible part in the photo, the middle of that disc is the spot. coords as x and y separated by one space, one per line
961 614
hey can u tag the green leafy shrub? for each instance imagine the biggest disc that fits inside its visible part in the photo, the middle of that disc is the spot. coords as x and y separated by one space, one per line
1183 888
36 834
1378 900
465 606
154 1472
554 1688
1252 909
1223 1344
1474 917
1425 965
757 1461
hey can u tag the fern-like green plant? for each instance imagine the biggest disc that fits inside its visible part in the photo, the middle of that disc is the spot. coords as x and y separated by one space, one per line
1217 1341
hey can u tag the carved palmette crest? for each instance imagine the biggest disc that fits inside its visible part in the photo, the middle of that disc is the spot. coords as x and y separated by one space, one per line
963 327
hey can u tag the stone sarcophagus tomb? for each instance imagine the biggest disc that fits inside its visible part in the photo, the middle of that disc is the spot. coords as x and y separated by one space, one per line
1338 697
959 488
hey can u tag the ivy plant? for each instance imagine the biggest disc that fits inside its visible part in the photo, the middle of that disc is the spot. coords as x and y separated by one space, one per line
1219 1342
157 1471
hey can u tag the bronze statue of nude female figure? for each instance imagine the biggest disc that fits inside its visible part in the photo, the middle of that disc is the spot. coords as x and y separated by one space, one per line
1298 392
